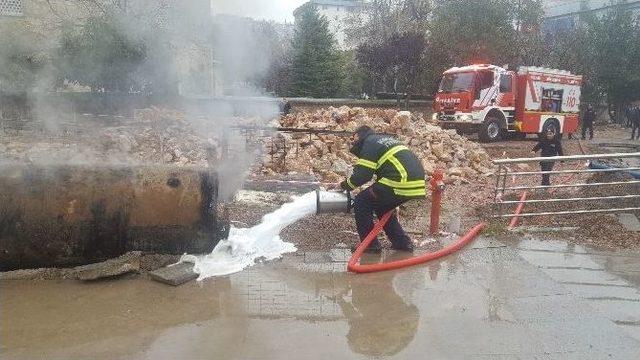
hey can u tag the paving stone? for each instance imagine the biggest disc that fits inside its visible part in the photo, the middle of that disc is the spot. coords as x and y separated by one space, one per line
174 275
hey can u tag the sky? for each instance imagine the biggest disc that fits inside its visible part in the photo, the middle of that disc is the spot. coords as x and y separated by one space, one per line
277 10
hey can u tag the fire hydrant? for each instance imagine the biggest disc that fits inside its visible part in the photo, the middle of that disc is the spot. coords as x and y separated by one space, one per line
437 188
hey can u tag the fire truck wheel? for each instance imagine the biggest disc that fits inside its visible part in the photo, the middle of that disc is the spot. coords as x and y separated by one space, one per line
490 130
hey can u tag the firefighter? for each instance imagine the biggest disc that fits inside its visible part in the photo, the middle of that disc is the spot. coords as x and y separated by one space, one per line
399 178
635 122
588 118
550 146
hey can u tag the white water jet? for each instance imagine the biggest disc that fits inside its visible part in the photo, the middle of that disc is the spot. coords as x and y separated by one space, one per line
245 246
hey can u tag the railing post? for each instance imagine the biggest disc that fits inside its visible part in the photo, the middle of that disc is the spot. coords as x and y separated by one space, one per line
437 188
497 192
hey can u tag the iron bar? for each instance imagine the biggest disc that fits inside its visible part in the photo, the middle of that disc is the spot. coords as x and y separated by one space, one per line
504 184
596 211
292 130
574 171
572 185
621 197
569 158
495 193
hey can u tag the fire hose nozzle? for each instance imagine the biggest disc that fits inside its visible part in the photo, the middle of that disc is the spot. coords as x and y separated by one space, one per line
329 202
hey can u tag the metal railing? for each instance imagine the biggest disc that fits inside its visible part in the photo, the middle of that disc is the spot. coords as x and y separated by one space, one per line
618 187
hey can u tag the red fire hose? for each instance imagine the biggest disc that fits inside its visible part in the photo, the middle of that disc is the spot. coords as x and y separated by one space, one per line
514 220
355 267
437 187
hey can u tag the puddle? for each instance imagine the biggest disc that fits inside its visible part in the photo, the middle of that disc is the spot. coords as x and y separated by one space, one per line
305 305
608 281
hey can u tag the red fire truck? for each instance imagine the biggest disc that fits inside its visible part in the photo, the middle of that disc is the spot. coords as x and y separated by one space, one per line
494 102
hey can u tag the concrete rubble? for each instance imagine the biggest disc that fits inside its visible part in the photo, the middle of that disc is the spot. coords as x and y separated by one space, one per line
175 274
127 263
328 157
131 262
153 136
165 136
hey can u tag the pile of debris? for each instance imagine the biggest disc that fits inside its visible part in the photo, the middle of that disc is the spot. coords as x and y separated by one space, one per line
154 136
164 136
327 155
161 136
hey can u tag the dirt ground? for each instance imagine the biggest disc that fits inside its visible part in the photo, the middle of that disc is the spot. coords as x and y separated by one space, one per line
465 202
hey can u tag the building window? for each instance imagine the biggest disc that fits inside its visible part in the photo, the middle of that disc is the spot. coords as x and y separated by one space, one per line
10 7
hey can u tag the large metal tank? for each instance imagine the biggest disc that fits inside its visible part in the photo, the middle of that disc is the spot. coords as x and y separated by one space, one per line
71 215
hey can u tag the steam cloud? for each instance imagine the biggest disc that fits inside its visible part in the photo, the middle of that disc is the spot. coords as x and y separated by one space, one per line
204 55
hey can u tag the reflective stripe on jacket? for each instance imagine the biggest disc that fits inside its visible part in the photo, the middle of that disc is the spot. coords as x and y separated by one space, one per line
393 164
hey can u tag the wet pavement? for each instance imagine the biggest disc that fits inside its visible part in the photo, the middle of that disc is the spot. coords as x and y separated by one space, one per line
608 282
522 300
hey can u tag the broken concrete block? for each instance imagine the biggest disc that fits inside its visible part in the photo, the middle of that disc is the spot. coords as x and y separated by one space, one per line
435 146
127 263
175 275
629 221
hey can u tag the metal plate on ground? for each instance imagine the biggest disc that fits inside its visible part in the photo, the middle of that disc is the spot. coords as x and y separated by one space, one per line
175 275
629 221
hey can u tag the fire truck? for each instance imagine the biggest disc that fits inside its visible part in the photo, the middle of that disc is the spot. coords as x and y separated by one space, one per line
495 102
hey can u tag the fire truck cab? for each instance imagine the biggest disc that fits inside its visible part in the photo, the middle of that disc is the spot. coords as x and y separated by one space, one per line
494 102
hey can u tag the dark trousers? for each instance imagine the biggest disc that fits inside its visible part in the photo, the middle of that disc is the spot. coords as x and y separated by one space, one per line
585 126
635 127
546 166
379 200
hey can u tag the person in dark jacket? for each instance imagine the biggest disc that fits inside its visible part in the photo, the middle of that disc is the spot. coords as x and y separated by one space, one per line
588 118
550 146
284 107
629 114
399 178
635 122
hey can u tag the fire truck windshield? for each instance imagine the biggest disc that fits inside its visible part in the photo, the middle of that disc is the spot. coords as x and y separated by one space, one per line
457 82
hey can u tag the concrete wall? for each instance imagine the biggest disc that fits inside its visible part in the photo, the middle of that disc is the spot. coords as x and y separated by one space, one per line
183 26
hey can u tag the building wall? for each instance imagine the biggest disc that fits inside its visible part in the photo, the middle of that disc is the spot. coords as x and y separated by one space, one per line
44 17
337 13
184 25
10 7
337 16
563 14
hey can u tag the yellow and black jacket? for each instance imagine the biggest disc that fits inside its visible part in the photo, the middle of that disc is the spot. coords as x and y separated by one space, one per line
393 164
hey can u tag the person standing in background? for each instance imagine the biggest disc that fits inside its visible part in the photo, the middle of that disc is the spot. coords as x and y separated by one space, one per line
635 122
588 117
550 146
629 114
